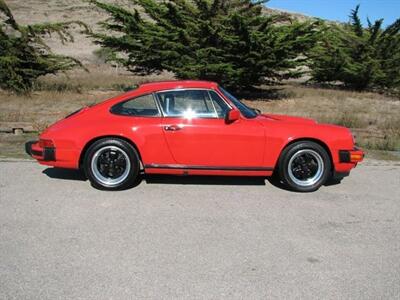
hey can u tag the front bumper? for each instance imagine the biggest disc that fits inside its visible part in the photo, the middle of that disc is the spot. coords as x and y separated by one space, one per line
33 149
351 156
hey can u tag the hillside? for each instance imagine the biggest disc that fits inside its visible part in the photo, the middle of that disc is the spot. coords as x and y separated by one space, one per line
40 11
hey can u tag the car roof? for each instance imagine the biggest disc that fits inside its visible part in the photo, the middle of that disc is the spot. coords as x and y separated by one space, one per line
161 86
177 84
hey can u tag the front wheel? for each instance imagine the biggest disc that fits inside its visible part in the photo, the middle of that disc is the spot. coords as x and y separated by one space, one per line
111 164
304 166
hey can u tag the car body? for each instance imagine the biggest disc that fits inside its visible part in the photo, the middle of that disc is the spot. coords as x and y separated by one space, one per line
191 128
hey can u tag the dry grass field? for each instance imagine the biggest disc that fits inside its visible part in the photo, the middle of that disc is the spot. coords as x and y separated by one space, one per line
374 118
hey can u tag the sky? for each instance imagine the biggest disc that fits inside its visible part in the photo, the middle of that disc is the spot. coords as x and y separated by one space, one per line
339 10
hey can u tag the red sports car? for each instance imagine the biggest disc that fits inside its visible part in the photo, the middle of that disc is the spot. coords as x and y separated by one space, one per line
193 128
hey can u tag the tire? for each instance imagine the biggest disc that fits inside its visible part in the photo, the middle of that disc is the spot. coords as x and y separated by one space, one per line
304 166
111 164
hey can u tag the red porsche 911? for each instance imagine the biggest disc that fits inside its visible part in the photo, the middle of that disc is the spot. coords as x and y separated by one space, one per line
193 128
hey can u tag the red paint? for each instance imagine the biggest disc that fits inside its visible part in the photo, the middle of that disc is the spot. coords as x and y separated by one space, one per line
241 143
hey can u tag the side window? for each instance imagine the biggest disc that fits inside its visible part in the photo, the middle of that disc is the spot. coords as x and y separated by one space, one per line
143 106
188 103
220 105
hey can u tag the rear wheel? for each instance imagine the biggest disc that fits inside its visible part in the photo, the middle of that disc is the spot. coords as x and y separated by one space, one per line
111 164
304 166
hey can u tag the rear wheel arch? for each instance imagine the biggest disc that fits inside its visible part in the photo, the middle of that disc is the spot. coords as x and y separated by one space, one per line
92 141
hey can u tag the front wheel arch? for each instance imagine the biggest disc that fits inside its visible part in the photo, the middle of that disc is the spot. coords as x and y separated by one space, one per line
312 166
321 143
89 143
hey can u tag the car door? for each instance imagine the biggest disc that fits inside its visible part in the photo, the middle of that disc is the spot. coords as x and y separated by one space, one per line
197 135
142 123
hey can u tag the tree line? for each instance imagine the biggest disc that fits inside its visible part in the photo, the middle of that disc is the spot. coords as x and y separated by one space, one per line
232 42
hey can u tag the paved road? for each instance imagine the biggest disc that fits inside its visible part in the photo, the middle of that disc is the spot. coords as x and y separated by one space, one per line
198 238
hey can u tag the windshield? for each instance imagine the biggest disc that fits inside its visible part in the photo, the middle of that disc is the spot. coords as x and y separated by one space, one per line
246 111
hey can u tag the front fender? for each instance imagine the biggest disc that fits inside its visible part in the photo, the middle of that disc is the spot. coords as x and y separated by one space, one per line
334 138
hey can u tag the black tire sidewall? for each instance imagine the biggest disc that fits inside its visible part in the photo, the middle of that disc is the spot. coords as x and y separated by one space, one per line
123 145
290 151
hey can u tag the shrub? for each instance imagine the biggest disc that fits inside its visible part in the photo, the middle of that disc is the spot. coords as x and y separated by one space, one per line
360 58
24 56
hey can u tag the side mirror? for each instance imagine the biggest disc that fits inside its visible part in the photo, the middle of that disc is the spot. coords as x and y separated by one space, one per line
232 116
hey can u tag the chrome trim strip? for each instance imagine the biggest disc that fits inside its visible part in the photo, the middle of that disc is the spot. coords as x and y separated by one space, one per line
213 168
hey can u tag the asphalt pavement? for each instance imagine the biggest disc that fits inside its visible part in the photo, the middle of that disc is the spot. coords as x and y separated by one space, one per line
198 238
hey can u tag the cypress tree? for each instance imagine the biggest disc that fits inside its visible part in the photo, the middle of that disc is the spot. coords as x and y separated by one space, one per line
360 58
24 56
232 41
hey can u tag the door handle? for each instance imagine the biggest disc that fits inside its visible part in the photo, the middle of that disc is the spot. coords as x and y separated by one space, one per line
172 128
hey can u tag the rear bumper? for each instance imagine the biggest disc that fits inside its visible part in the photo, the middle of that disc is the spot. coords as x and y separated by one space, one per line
33 149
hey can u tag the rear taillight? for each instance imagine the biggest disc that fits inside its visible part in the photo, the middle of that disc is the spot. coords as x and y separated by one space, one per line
46 143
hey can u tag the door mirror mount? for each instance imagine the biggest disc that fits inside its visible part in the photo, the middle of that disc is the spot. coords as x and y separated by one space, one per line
232 116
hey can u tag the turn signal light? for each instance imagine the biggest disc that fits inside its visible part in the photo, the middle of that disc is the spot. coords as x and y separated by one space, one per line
46 143
356 157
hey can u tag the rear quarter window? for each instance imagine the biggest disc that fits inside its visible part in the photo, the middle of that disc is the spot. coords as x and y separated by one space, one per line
142 106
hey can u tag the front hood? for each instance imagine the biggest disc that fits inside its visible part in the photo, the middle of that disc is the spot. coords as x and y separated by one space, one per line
289 119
